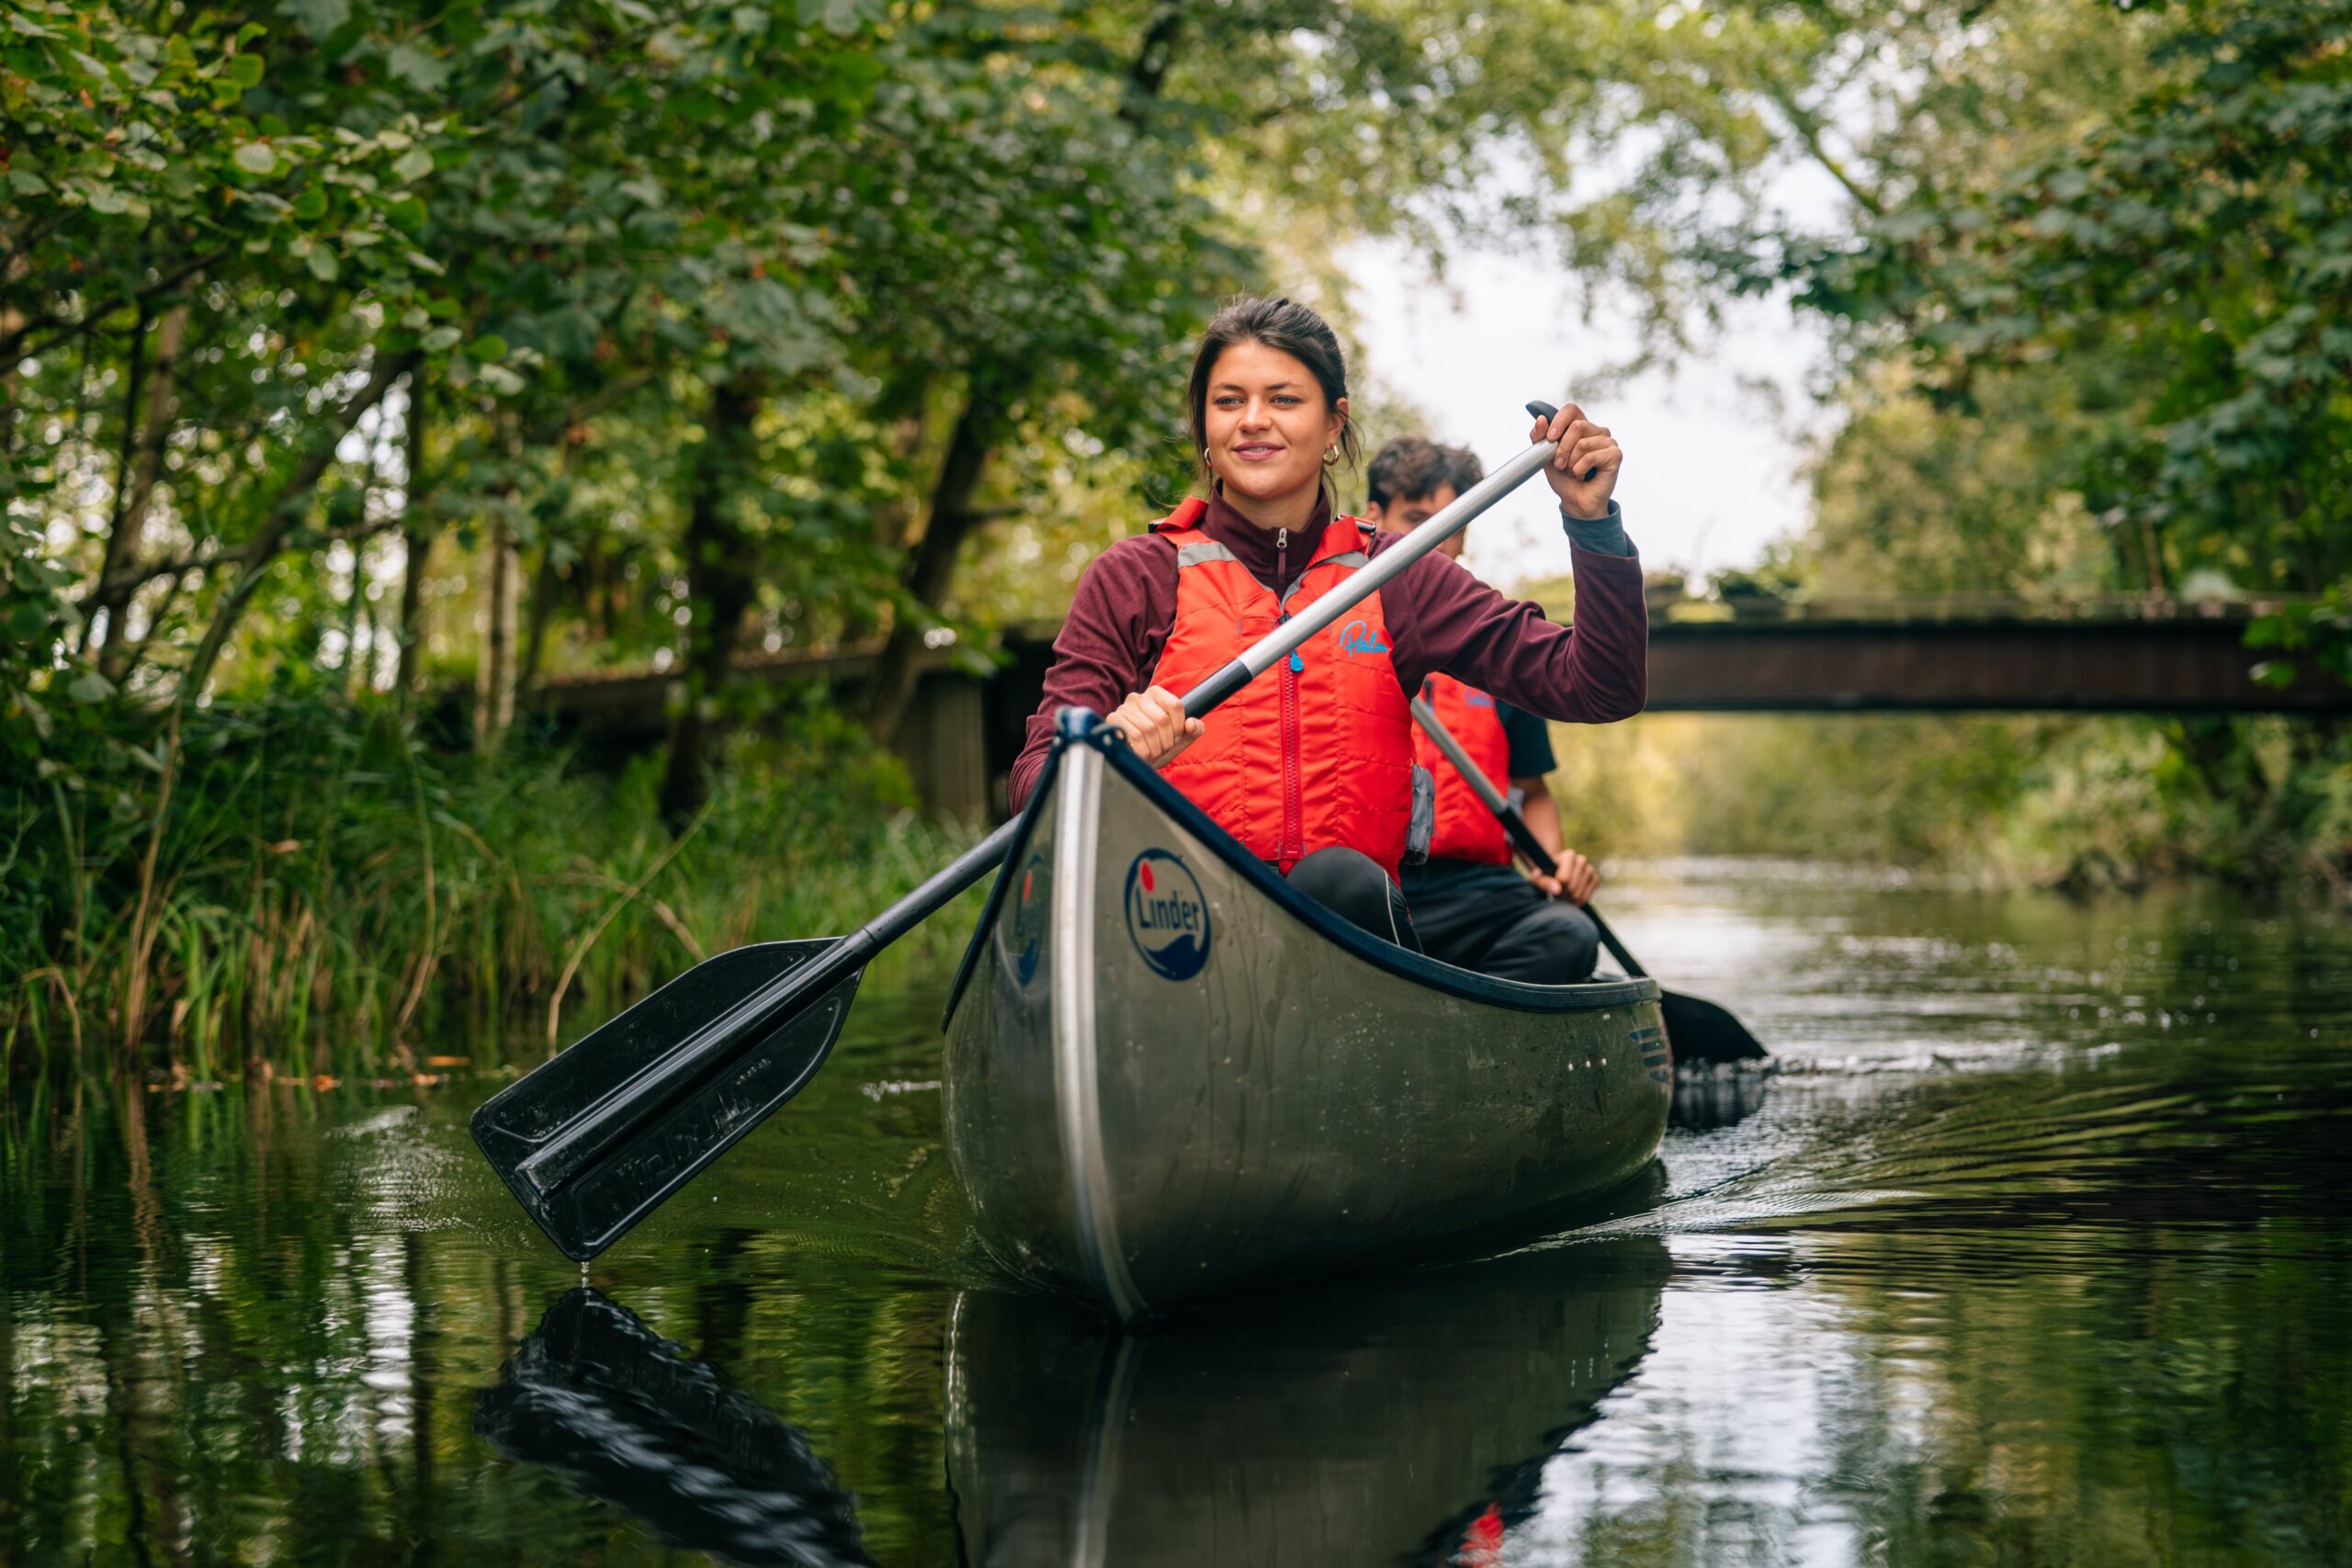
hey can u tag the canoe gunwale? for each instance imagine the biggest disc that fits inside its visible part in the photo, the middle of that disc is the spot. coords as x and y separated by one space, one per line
1078 726
1040 794
1076 1085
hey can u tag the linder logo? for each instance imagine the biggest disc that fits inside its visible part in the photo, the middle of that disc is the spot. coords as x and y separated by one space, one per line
1167 917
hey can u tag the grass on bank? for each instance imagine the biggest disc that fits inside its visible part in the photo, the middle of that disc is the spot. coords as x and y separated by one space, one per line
329 895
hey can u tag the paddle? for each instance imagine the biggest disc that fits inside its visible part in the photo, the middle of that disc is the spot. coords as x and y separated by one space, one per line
1698 1030
595 1139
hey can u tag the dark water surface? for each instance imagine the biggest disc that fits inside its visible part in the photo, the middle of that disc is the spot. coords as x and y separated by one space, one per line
2038 1253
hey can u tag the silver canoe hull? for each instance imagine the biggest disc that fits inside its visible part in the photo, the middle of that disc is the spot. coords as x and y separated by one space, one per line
1168 1076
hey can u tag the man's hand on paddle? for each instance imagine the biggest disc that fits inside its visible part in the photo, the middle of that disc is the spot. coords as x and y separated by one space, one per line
1155 724
1585 448
1576 881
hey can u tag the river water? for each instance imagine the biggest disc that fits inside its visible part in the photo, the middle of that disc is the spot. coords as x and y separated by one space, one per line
2035 1252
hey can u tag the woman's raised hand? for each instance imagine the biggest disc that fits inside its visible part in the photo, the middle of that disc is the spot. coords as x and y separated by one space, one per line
1155 724
1585 448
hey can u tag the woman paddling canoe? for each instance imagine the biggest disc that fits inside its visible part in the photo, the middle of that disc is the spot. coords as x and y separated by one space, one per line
1311 769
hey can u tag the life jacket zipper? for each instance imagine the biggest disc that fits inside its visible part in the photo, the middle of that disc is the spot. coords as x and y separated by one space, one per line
1294 808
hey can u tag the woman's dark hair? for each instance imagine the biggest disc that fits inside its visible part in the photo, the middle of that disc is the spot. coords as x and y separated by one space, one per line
1282 325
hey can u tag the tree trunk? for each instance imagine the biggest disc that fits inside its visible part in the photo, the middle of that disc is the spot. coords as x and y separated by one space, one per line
720 585
136 490
535 635
286 510
495 672
931 565
416 534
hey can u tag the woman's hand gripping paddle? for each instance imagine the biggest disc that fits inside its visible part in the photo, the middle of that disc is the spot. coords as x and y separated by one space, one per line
1698 1030
595 1140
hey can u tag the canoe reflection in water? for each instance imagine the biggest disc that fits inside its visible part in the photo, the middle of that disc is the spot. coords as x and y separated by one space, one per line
1405 1420
634 1421
1708 1097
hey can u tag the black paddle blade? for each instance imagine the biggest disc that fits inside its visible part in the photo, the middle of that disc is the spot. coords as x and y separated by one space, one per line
1698 1031
633 1420
673 1123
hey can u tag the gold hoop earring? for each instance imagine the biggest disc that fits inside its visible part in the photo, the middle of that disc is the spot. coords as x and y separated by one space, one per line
1330 455
1204 456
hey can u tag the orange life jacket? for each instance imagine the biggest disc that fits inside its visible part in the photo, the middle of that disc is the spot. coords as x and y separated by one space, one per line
1318 750
1465 829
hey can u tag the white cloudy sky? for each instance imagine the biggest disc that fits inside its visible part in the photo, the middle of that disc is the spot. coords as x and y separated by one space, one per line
1711 465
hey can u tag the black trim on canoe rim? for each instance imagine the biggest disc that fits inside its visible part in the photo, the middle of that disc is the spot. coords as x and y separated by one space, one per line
1077 727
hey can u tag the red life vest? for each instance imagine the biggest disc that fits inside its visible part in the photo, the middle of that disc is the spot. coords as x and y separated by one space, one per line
1320 749
1466 830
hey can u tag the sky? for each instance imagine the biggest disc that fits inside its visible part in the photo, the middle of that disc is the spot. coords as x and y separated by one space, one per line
1711 472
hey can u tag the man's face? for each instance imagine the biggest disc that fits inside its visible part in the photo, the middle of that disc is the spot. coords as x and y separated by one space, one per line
1405 513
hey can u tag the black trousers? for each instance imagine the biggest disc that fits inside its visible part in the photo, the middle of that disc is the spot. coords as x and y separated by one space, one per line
1494 921
1352 885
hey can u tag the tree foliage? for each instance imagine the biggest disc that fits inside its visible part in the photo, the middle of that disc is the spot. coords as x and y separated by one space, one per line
358 347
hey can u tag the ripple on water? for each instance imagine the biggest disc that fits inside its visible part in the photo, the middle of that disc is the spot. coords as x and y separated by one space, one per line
2031 1249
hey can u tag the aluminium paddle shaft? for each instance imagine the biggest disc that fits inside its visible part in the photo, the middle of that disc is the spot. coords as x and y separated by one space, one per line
1367 580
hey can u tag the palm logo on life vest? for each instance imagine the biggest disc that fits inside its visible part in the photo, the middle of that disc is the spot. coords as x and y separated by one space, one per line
1168 917
1357 636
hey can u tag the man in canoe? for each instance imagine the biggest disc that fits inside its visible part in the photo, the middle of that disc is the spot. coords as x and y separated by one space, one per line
1470 907
1310 765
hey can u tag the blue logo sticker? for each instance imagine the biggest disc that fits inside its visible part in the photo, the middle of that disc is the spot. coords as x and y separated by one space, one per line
1476 699
1357 636
1168 917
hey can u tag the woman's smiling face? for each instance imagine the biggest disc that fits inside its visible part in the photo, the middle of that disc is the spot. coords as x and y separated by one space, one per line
1267 423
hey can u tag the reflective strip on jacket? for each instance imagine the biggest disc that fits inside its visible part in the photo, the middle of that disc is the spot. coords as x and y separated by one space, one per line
1316 751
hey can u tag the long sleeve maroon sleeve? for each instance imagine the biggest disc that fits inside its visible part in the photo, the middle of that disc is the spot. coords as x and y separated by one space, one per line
1440 619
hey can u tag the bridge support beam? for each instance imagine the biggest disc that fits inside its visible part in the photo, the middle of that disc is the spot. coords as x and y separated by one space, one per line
2160 665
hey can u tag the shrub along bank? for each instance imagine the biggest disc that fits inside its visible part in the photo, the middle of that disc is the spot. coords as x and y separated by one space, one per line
315 889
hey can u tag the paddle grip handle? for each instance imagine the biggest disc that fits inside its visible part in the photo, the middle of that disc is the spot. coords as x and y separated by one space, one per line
1545 412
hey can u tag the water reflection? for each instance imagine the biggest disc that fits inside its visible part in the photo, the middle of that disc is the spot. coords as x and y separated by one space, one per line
1360 1422
1707 1098
633 1420
2036 1250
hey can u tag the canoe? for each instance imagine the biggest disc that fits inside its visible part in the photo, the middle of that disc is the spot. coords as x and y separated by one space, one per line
1168 1076
1337 1424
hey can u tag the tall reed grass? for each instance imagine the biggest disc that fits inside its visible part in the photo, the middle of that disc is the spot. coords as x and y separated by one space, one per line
328 895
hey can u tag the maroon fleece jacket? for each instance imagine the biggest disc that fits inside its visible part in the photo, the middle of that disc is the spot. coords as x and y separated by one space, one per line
1440 620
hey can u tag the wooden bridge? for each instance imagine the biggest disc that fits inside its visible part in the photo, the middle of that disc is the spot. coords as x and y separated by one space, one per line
1959 654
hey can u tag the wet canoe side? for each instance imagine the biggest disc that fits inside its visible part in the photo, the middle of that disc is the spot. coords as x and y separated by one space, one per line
1168 1076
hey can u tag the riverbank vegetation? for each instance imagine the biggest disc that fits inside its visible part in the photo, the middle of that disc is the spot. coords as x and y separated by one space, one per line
329 896
2086 299
364 369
